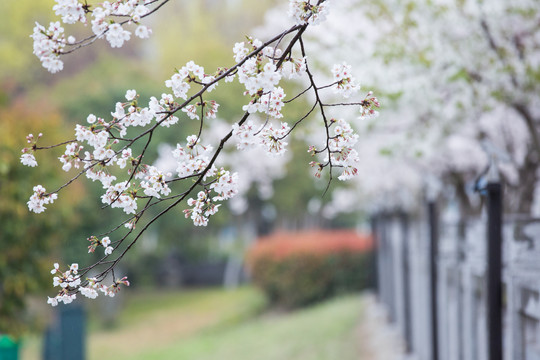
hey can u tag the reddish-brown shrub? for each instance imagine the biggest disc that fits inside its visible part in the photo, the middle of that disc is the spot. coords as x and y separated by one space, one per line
295 269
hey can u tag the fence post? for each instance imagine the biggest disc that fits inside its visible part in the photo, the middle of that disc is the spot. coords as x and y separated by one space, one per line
433 249
389 267
383 268
374 262
494 270
406 283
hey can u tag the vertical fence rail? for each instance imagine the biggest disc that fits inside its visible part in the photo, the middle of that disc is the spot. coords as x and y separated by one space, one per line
375 259
494 271
406 282
388 267
443 283
433 248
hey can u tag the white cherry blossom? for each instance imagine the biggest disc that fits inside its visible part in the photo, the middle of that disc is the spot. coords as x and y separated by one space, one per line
71 11
303 12
143 32
154 183
48 44
29 160
272 138
116 35
131 95
226 185
345 83
40 198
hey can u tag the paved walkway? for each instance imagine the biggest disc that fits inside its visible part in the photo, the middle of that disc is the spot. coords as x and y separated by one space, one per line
381 341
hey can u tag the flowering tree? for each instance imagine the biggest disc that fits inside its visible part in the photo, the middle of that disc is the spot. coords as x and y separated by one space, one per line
112 150
459 80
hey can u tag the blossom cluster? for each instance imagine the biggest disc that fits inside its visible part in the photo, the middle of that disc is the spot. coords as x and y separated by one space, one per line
194 159
153 181
341 150
133 9
260 77
135 116
209 109
50 43
67 281
40 198
368 107
269 103
293 68
225 185
100 152
303 12
190 73
121 195
202 209
70 283
98 137
272 138
269 137
345 82
71 157
71 11
95 242
27 157
124 194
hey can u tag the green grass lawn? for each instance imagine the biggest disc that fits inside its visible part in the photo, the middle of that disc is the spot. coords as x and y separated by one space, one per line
222 324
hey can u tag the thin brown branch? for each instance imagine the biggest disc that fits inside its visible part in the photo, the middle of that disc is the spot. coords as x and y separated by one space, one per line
323 114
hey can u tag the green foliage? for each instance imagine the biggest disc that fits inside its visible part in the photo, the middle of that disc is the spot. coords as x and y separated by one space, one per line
214 324
311 267
386 151
325 332
26 238
303 279
17 19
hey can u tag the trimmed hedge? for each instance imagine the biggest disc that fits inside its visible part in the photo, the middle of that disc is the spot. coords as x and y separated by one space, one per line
296 269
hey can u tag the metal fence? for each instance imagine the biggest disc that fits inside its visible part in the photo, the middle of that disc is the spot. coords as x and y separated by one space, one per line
446 291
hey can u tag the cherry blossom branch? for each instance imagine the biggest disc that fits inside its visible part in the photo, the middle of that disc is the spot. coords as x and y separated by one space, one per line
181 198
298 95
174 204
323 114
91 39
52 146
259 66
299 121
